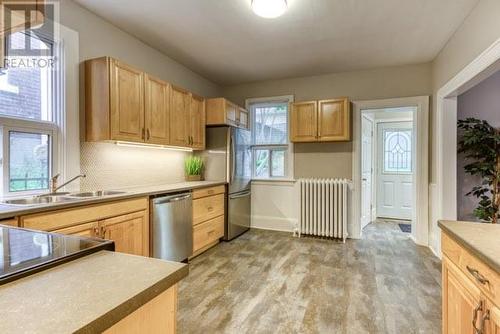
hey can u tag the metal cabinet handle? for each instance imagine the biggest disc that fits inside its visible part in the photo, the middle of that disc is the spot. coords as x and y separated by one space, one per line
478 308
486 316
210 209
96 231
148 134
477 275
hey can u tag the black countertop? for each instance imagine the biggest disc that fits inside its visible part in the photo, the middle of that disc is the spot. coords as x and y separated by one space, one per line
24 252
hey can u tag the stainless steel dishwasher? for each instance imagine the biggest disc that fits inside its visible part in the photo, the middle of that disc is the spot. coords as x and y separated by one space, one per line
172 231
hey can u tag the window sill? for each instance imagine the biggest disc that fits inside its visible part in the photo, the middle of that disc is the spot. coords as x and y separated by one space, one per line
283 181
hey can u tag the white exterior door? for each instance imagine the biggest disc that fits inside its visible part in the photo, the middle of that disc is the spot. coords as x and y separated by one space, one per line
366 170
394 170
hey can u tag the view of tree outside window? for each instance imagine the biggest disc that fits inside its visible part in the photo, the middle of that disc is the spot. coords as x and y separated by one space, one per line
270 129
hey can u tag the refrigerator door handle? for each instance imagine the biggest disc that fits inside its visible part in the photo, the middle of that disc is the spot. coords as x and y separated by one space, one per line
233 159
245 194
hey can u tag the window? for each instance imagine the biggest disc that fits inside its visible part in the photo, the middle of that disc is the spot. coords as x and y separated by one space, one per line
397 150
270 144
29 108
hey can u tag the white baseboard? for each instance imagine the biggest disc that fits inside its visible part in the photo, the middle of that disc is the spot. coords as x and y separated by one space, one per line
273 223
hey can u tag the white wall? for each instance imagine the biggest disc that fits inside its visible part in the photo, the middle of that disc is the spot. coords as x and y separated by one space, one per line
274 205
125 167
478 31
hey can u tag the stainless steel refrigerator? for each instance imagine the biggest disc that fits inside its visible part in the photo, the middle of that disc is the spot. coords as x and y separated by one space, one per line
228 157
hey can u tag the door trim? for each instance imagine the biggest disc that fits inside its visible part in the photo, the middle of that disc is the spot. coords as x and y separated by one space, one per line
420 222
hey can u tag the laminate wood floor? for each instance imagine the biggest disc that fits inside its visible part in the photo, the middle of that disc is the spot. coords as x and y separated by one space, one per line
271 282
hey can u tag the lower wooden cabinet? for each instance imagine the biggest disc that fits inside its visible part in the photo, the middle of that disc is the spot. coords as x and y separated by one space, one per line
156 316
129 232
207 233
208 217
471 292
125 222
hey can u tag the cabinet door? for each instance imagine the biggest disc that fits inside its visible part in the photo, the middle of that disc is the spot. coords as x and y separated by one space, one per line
231 113
304 122
127 103
157 107
334 122
493 324
129 232
244 123
179 117
88 230
197 120
460 298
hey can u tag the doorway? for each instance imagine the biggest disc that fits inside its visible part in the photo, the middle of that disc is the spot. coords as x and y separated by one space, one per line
390 165
387 158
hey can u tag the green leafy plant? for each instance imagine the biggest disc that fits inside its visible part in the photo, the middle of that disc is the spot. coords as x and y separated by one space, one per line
193 165
480 143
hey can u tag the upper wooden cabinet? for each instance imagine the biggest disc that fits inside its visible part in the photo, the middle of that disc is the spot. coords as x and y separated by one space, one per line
304 122
224 112
179 117
197 121
157 110
320 121
126 104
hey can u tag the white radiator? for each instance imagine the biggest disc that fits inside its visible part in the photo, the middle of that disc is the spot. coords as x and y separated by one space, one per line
323 207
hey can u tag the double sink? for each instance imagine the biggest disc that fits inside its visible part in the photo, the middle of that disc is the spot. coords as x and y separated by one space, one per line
62 197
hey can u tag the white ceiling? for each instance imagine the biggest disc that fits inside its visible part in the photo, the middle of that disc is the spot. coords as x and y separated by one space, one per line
225 42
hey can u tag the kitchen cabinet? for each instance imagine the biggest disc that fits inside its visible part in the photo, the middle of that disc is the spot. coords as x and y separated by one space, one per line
304 122
10 222
89 230
224 112
208 217
320 121
157 316
157 110
471 292
125 222
179 117
197 121
125 104
130 232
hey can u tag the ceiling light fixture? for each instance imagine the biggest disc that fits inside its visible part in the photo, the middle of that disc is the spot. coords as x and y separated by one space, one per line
269 8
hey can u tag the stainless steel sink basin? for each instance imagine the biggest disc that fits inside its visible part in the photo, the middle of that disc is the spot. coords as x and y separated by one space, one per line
98 193
38 200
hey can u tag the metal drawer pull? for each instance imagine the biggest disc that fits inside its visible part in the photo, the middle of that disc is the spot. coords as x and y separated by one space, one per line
477 275
478 308
210 209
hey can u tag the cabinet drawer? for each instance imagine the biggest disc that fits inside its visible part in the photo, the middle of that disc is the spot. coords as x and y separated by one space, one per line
485 278
59 219
10 222
207 232
199 193
207 208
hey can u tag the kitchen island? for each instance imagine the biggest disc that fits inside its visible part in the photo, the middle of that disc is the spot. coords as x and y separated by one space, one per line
103 292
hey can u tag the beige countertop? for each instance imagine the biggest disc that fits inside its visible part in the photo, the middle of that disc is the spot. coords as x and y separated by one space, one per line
482 240
9 211
87 295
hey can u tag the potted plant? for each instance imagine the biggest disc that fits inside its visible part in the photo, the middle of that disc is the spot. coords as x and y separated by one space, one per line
193 167
480 143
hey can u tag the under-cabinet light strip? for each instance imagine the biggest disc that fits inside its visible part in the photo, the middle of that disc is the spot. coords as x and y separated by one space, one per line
160 147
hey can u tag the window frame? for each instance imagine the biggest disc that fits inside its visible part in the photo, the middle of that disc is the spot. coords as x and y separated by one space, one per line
288 147
55 128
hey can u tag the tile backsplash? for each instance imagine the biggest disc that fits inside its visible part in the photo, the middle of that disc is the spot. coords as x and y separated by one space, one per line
109 166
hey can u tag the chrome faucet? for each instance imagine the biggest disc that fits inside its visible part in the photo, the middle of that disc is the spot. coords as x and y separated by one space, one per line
53 183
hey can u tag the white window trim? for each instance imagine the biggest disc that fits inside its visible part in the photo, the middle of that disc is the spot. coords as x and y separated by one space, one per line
289 163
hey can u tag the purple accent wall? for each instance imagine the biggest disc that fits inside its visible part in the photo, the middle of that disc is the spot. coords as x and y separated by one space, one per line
482 102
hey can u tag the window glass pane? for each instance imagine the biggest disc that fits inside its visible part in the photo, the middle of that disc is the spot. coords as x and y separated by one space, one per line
29 161
26 88
278 163
270 124
261 163
397 151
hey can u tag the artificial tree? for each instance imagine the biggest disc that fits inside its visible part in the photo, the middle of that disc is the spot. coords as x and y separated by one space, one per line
480 143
